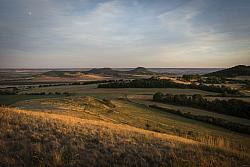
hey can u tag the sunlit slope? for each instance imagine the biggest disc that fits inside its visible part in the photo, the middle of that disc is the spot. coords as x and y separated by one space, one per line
139 116
34 138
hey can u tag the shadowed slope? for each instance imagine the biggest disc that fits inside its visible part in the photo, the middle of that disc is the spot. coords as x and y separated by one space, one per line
240 70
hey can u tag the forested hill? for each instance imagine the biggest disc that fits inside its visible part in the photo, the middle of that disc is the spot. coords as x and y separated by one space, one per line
240 70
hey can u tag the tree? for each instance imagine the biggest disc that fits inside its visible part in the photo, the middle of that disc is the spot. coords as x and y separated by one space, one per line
158 96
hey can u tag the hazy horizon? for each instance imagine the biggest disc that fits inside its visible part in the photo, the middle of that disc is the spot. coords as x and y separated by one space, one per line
125 34
118 68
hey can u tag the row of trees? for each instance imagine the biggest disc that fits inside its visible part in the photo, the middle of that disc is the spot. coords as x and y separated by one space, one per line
9 91
189 77
166 83
232 107
211 120
213 80
49 93
49 85
207 80
91 82
75 83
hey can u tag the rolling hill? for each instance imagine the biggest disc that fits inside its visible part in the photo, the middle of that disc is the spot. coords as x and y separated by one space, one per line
140 71
109 71
240 70
101 71
54 73
30 138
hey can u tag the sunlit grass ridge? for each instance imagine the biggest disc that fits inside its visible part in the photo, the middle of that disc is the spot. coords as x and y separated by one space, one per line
35 138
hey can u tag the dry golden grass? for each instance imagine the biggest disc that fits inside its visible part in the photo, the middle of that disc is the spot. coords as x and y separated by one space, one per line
176 80
86 76
122 112
41 139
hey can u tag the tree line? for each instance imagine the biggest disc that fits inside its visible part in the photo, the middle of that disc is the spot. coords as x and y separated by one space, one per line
76 83
9 91
208 119
232 107
205 80
49 93
166 83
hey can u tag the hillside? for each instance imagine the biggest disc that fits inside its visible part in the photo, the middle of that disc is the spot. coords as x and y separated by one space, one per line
140 71
99 71
109 71
41 139
240 70
104 71
54 73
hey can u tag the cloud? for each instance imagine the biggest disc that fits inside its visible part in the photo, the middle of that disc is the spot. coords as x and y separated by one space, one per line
198 42
117 32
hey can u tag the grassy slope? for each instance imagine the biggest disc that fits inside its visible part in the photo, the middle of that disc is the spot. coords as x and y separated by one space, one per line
11 99
239 70
33 138
191 110
141 117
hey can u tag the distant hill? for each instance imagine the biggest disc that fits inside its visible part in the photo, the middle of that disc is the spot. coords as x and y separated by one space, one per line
109 71
58 73
105 71
101 71
140 70
240 70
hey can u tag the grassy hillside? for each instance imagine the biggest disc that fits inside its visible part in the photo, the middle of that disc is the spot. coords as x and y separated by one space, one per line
240 70
128 113
103 71
58 73
140 71
41 139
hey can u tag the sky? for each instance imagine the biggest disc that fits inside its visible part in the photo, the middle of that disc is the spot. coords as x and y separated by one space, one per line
124 33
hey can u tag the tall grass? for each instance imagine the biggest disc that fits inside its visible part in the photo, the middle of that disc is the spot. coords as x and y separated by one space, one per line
42 139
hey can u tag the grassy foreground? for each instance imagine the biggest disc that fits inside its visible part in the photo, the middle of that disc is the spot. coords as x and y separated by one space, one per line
30 138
